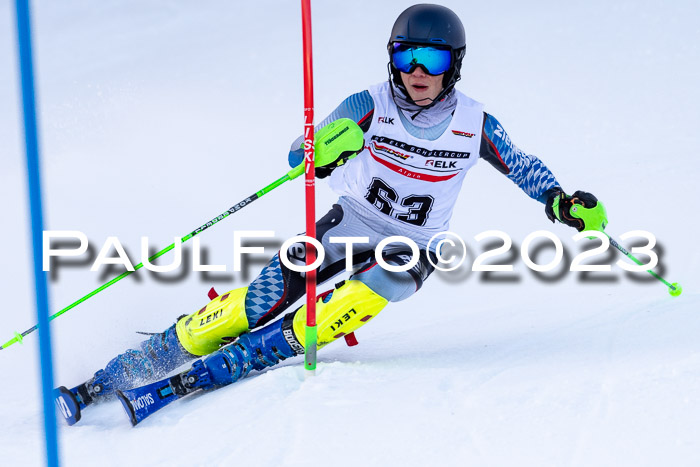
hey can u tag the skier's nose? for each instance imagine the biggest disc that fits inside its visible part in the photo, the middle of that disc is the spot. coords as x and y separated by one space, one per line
419 73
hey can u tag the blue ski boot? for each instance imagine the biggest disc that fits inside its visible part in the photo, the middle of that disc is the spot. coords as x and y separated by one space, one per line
255 350
156 357
71 402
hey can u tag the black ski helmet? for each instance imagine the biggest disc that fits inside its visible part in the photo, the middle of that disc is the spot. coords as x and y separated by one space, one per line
426 24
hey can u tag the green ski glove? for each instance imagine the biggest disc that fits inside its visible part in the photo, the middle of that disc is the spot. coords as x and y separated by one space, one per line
581 211
334 145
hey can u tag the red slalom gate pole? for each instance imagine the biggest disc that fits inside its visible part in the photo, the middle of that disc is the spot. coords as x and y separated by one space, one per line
310 341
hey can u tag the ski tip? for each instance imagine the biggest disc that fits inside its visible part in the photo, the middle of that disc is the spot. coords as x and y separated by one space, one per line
127 407
67 405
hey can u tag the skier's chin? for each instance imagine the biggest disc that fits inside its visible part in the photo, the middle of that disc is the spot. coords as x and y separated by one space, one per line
423 101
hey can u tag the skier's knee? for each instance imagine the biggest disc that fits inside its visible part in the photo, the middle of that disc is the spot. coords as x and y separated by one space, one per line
219 322
340 312
396 285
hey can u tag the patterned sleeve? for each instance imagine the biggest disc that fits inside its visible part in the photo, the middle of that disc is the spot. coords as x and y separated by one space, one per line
359 107
525 170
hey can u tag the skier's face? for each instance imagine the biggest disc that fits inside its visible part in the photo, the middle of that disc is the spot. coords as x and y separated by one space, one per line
422 87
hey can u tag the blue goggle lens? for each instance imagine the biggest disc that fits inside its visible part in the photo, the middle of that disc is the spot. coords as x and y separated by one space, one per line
406 57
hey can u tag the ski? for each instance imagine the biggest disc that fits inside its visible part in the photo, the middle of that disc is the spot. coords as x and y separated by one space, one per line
67 404
143 401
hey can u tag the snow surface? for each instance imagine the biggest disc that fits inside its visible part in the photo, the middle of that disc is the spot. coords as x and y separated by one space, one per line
157 116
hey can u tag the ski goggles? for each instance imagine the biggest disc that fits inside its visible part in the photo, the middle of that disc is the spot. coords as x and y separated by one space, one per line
407 57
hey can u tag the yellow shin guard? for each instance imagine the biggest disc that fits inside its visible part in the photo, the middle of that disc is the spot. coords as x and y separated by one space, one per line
350 306
219 322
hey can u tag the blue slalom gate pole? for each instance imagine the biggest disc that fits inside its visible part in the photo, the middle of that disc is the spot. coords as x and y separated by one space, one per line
24 41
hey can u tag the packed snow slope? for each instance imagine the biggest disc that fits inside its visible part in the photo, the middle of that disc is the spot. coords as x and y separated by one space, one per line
157 116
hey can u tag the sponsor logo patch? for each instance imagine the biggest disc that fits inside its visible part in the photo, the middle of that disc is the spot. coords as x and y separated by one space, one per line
409 148
463 133
391 151
61 403
211 317
441 164
292 341
343 319
142 402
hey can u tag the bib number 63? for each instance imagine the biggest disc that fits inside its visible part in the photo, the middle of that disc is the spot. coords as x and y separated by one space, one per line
385 198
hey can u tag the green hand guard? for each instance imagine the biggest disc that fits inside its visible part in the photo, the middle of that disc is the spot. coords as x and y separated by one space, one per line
334 144
582 211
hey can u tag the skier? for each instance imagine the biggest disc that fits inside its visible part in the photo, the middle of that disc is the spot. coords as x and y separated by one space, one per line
421 138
